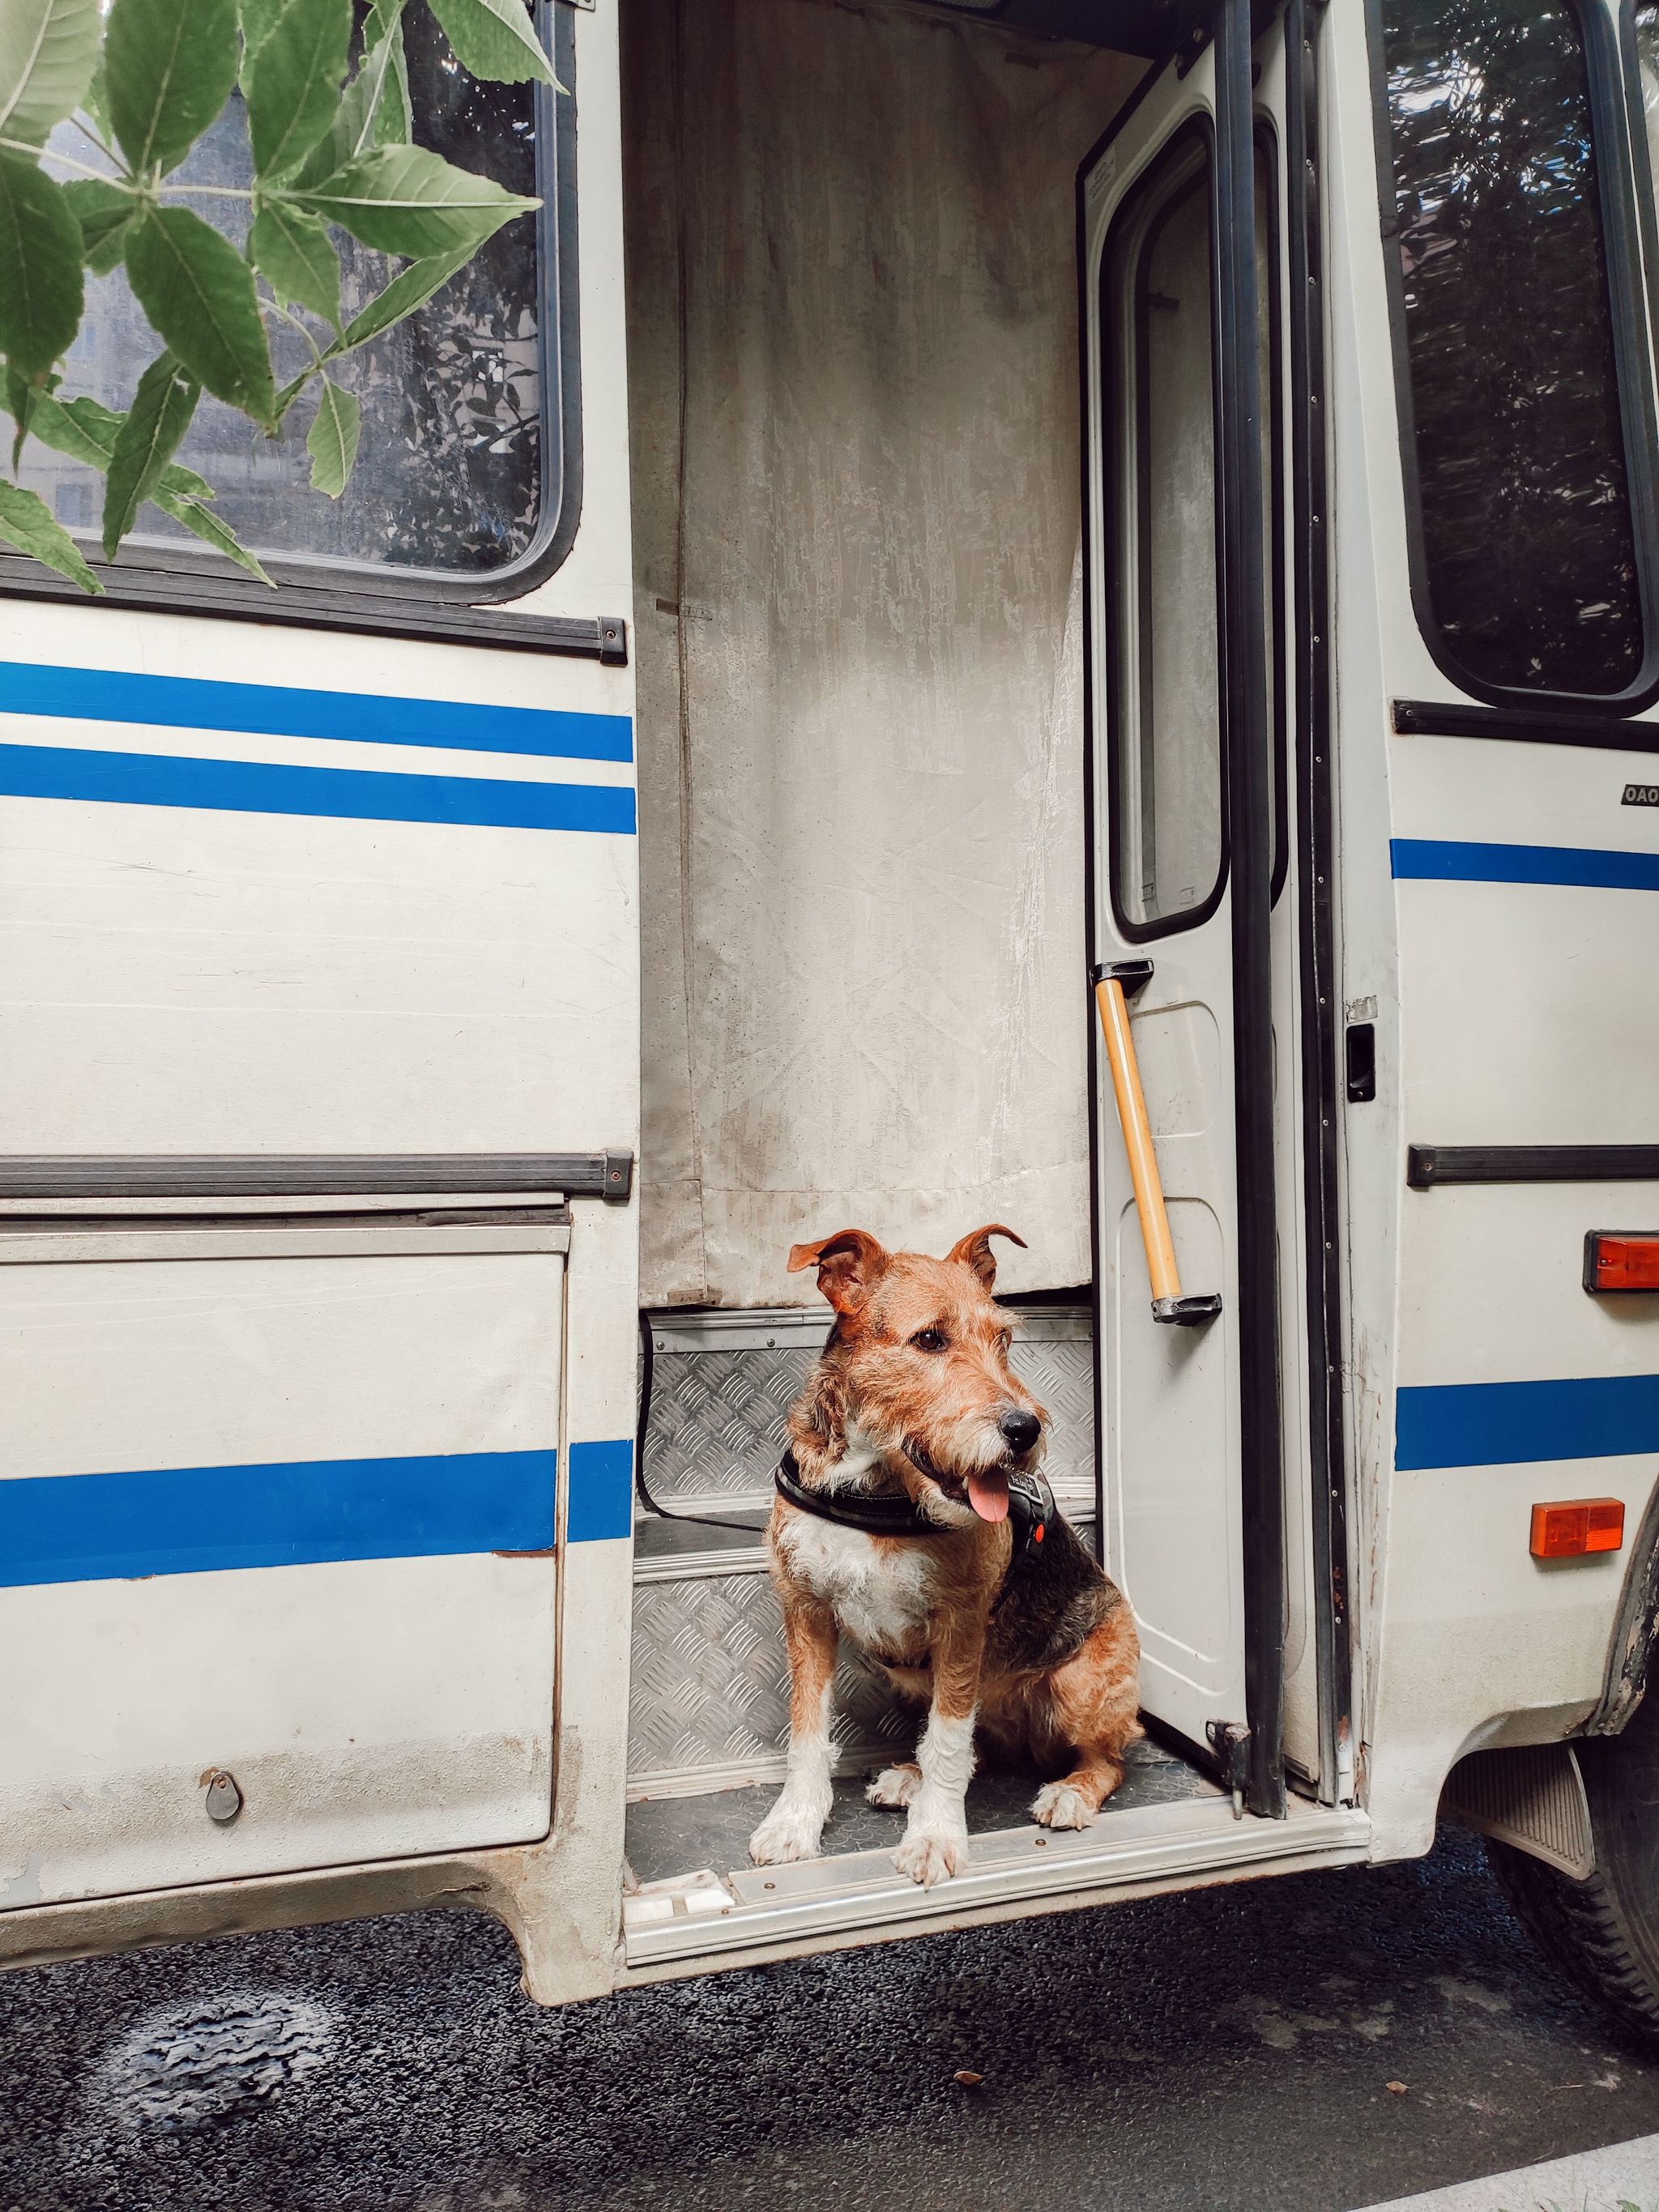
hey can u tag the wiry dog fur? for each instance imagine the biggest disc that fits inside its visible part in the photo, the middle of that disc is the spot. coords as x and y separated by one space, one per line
913 1392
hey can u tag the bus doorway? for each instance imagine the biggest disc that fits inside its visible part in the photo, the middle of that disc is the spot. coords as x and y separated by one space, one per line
830 765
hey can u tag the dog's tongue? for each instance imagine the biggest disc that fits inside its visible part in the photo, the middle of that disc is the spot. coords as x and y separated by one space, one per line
988 1493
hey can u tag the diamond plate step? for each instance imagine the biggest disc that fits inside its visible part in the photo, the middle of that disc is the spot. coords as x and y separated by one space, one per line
724 1382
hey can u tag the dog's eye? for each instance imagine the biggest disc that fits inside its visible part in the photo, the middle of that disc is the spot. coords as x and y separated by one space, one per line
929 1339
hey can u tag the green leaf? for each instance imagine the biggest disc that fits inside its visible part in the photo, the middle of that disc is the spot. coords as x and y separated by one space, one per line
493 39
26 522
171 66
290 392
86 431
259 19
28 400
94 103
374 110
405 200
332 441
409 288
198 294
61 428
48 51
295 252
206 524
292 81
103 212
41 290
159 417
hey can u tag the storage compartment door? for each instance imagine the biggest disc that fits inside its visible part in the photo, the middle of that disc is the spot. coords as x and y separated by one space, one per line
278 1504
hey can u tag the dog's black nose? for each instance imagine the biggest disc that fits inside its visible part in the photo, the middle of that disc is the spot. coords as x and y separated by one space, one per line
1020 1428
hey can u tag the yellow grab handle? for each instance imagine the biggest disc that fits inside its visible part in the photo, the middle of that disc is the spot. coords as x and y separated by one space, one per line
1161 1270
1167 1303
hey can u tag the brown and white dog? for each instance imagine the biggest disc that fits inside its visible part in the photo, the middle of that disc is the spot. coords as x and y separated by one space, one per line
914 1396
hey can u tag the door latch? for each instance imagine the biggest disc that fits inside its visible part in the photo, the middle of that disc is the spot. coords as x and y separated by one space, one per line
1230 1742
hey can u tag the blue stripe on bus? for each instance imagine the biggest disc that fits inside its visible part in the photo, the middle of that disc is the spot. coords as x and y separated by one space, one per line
191 703
1425 859
294 1513
193 1520
1505 1424
601 1501
347 793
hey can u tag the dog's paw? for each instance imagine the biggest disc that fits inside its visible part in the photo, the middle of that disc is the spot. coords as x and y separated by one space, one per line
1057 1805
931 1855
894 1787
783 1836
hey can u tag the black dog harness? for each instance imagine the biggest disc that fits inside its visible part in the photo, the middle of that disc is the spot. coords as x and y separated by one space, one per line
1031 1510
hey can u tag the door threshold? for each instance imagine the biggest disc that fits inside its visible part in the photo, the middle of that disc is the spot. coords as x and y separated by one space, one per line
706 1917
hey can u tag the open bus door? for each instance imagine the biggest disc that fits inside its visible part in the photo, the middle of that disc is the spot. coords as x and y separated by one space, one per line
1199 862
321 1051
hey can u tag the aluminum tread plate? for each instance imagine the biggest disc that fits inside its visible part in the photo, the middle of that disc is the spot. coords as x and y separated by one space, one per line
710 1693
668 1835
717 1415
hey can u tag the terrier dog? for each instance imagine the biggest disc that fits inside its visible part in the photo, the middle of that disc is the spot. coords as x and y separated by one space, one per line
912 1399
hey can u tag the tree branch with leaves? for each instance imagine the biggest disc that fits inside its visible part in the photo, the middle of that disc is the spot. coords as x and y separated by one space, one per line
331 150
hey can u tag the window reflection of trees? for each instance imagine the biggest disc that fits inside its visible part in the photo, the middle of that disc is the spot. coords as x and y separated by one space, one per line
449 473
1525 503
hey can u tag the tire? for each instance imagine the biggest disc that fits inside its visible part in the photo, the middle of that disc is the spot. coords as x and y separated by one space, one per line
1603 1934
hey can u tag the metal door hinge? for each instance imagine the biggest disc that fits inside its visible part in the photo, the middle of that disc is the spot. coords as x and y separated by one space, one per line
1230 1742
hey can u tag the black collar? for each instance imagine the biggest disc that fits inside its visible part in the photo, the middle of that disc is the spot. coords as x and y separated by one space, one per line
890 1514
1031 1509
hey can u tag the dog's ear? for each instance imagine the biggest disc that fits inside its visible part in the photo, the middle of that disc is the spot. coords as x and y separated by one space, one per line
847 1264
973 1250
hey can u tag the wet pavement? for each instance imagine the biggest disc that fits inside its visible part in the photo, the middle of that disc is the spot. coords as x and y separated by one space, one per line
1230 2048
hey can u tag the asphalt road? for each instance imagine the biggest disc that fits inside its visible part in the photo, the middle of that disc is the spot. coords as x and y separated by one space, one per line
1227 2049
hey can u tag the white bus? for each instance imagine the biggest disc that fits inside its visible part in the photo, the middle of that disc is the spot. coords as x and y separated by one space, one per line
955 498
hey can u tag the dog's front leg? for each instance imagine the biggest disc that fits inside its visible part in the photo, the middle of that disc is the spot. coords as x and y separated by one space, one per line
793 1827
935 1842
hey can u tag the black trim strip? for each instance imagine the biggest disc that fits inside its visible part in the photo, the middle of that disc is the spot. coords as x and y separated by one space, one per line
1428 1166
607 1174
199 592
1249 772
438 607
1441 718
1320 993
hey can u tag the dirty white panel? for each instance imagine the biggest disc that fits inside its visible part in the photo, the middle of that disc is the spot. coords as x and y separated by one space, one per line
173 980
193 1363
293 1518
1177 1532
368 1710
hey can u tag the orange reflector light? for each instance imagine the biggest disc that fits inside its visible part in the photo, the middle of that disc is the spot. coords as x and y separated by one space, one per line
1616 1260
1573 1526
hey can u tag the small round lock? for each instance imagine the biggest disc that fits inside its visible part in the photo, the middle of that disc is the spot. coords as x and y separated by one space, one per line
222 1797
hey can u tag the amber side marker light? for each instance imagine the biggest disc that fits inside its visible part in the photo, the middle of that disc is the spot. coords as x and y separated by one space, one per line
1573 1526
1618 1259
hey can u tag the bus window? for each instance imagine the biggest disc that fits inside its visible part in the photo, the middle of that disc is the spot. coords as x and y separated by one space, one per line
1167 842
449 477
1167 837
1646 20
1527 553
